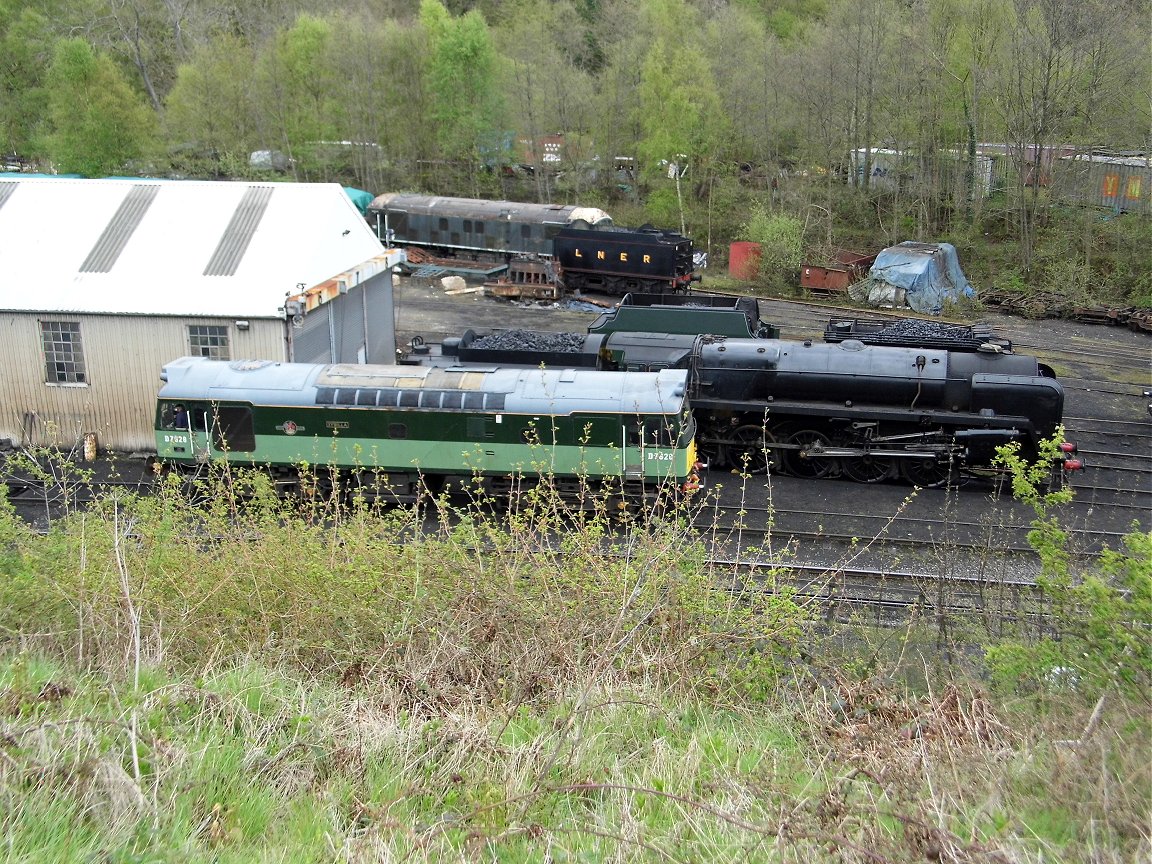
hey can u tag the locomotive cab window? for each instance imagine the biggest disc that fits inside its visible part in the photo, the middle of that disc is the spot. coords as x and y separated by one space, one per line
652 432
173 416
234 430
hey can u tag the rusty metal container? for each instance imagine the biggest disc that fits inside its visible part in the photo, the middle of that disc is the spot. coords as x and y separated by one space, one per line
743 260
845 268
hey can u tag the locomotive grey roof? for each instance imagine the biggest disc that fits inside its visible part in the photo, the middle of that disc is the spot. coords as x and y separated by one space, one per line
478 208
156 247
528 391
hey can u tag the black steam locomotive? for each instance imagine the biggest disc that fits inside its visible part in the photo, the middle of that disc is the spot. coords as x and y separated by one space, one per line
846 409
587 251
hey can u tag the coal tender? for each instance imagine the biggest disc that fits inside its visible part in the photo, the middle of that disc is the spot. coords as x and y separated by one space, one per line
846 409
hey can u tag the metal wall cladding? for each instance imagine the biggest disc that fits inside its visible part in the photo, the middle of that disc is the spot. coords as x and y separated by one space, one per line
1122 184
380 313
354 327
312 337
123 355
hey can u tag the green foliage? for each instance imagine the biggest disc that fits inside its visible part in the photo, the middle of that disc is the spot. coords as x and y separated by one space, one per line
302 80
96 123
781 246
211 106
679 113
329 673
461 68
1101 618
25 44
270 579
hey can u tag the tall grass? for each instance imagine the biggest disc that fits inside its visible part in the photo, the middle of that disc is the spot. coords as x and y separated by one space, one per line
244 678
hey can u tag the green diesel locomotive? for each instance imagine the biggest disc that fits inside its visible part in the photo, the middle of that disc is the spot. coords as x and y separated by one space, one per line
405 431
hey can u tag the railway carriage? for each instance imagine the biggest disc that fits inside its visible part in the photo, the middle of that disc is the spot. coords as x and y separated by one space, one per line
589 253
404 430
472 226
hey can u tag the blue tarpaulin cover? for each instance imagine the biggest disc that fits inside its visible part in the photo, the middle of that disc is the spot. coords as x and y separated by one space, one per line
923 275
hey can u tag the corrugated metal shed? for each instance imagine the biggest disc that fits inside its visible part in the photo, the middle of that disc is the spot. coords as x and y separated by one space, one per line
102 282
155 247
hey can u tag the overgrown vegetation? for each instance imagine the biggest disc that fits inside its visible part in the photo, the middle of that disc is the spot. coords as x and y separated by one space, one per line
1103 642
781 247
248 678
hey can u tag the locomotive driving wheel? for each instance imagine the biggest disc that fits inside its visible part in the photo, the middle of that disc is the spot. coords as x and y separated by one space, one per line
805 460
929 473
867 468
750 449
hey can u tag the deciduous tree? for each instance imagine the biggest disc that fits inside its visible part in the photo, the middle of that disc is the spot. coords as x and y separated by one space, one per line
462 72
97 123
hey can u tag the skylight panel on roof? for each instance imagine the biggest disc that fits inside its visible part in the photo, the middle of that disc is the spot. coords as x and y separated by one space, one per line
119 229
242 227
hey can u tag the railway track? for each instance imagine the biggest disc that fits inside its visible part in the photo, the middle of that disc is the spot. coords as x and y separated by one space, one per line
862 551
889 597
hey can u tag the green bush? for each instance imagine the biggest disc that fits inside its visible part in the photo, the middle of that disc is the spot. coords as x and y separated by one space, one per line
1098 620
781 240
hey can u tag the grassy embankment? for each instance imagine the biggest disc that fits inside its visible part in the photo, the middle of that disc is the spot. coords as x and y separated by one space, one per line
252 681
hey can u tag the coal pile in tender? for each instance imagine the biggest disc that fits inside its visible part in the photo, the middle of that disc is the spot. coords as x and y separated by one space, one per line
915 332
531 340
916 329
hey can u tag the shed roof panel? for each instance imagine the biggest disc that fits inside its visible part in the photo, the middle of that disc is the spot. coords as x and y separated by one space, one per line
306 233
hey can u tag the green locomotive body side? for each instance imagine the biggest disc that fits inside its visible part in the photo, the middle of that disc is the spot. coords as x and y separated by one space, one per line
583 432
439 443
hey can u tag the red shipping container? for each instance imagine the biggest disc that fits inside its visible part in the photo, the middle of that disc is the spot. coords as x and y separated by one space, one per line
744 260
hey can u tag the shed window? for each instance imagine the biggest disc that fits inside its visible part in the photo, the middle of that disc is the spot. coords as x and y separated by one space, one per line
63 352
207 340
